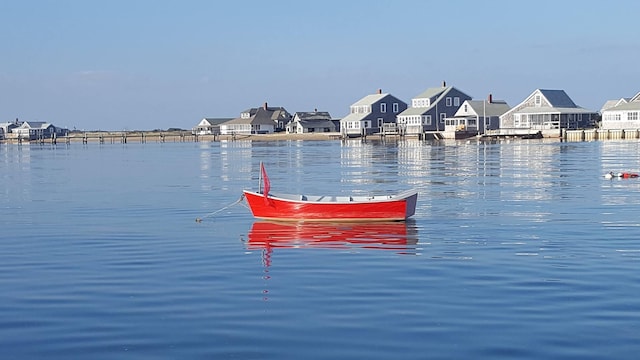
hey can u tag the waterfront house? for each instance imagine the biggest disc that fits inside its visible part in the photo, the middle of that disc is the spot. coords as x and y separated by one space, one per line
311 122
475 117
430 108
623 115
370 114
547 112
262 120
33 130
209 126
6 128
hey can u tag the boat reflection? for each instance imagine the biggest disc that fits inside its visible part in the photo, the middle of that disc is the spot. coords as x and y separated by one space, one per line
397 236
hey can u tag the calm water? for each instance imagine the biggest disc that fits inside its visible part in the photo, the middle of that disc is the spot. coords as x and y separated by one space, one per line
517 250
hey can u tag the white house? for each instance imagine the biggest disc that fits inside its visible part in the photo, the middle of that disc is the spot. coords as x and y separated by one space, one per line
209 126
475 117
624 115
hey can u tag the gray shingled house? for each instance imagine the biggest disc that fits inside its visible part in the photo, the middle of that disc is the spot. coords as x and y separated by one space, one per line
262 120
311 122
547 111
429 109
32 130
369 114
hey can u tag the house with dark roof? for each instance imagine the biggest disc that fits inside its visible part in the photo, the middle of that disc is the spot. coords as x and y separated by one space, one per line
209 126
624 115
475 117
262 120
370 114
548 111
430 108
311 122
33 130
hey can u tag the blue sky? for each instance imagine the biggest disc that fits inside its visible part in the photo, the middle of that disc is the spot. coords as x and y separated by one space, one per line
148 64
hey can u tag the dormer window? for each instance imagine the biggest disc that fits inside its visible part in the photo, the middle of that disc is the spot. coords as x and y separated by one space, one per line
245 115
420 103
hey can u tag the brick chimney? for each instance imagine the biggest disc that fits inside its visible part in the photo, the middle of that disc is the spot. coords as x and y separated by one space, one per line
444 83
490 99
265 106
379 91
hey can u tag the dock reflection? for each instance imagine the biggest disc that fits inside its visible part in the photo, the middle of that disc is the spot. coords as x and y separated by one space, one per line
396 236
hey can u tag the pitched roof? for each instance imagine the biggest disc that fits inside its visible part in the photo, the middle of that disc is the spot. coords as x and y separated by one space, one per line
370 99
558 98
633 105
262 116
354 117
313 115
216 121
35 124
613 103
431 92
439 92
485 108
416 111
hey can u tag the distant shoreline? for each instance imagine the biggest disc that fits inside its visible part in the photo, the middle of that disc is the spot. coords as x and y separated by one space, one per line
169 136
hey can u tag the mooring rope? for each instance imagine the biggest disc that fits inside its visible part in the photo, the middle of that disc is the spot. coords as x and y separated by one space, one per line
223 209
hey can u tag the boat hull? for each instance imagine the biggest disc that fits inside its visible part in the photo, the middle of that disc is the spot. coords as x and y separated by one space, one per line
391 208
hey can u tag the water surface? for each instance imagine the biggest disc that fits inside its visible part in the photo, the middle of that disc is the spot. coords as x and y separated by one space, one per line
517 250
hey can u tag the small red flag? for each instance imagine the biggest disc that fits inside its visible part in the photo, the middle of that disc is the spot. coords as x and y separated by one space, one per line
267 183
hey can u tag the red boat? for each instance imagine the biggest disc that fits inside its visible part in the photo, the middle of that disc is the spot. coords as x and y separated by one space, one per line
395 235
288 207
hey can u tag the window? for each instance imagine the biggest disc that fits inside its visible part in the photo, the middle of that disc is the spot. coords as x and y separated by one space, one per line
448 100
632 115
456 101
383 107
395 107
538 101
427 120
419 103
380 122
442 116
465 107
